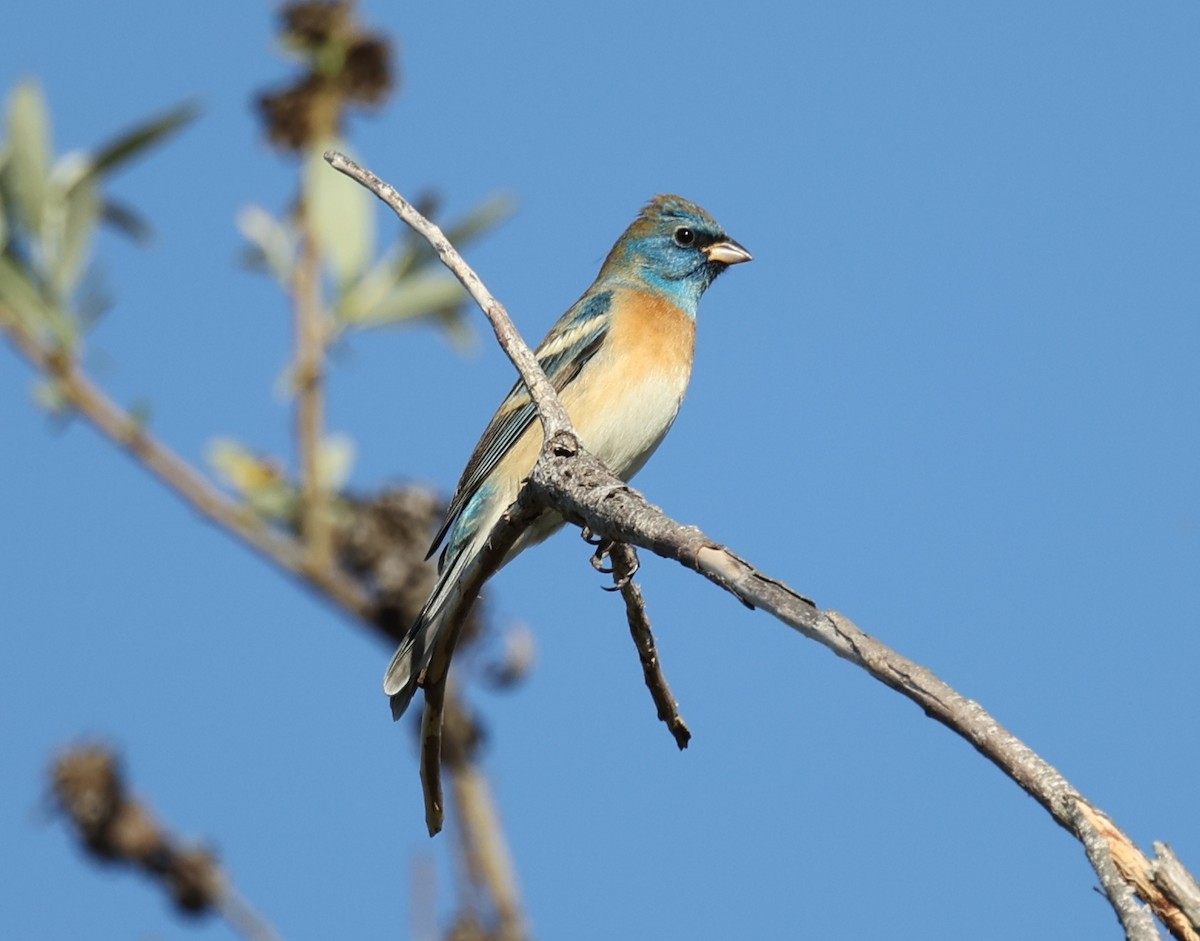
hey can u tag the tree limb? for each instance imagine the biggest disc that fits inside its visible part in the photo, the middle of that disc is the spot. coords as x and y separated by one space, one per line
309 380
573 482
132 436
550 410
624 560
89 788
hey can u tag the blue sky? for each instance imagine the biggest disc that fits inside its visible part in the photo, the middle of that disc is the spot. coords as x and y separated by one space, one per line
955 396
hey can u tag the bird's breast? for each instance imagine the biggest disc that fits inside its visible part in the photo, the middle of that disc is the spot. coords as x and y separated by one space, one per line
630 392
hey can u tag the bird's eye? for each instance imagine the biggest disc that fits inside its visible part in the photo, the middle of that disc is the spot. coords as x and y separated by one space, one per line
685 237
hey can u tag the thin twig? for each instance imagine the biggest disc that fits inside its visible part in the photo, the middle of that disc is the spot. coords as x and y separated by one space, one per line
309 379
587 493
573 482
115 827
555 423
486 856
625 564
243 918
550 409
125 431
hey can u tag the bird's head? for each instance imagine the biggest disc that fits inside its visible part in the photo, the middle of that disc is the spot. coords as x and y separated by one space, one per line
675 247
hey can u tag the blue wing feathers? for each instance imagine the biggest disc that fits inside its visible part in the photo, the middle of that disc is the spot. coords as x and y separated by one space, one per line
568 347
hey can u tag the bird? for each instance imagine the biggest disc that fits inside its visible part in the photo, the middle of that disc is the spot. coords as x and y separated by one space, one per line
620 359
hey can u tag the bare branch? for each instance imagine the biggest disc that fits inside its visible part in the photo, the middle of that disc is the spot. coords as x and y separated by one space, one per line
589 494
114 827
1108 850
570 480
1177 883
1123 865
488 860
126 432
309 379
555 423
625 564
550 409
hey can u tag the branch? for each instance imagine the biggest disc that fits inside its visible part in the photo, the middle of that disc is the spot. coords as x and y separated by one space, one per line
488 861
114 827
570 480
555 423
587 493
309 379
131 435
550 409
625 564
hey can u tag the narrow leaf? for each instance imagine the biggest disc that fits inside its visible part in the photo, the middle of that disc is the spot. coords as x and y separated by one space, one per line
257 478
417 296
339 214
478 221
28 168
367 291
418 253
141 137
25 300
335 460
275 242
20 296
72 211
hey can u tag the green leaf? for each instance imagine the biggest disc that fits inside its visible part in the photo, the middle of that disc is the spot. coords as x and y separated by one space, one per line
275 241
416 296
23 298
368 290
141 137
334 461
71 213
258 479
477 222
20 296
339 215
28 168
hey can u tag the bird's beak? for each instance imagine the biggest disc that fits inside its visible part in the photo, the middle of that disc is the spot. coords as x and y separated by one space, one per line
727 252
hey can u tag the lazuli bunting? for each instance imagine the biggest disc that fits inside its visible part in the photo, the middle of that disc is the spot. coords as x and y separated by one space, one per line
620 360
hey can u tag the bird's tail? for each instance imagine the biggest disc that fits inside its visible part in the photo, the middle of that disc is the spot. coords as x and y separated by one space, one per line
424 639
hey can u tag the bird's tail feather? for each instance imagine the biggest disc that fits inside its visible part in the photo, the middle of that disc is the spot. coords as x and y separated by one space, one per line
424 638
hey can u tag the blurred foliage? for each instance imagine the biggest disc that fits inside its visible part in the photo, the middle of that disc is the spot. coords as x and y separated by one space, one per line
323 251
405 283
50 207
261 479
52 204
343 65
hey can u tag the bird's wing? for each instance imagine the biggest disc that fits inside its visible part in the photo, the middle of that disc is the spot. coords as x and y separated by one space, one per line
562 355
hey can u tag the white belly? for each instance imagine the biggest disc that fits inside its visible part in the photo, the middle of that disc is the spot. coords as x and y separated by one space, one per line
624 428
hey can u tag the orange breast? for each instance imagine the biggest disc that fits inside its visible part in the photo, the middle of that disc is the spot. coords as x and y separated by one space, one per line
627 397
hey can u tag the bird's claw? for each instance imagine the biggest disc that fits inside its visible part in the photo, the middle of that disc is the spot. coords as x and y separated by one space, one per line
603 550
